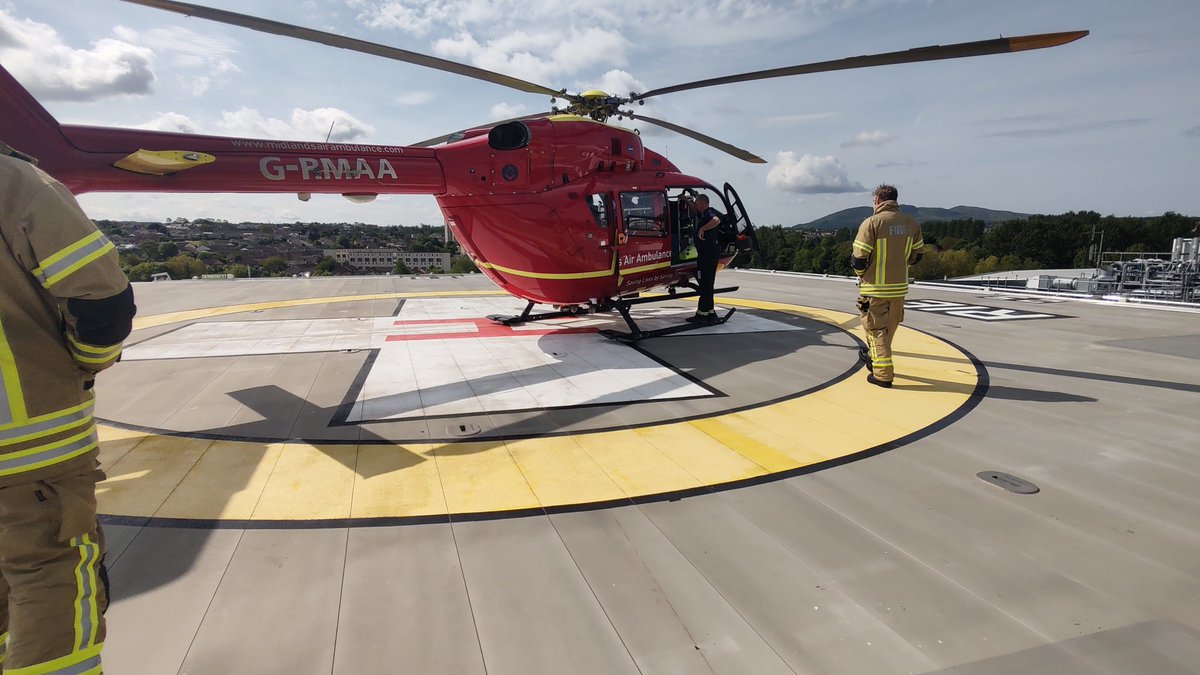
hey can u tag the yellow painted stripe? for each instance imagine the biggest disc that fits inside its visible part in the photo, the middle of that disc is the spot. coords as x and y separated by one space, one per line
705 458
145 476
116 443
191 478
226 482
482 477
309 482
391 480
634 464
561 473
735 434
824 435
143 322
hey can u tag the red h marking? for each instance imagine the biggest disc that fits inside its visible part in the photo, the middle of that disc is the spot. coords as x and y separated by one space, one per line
484 328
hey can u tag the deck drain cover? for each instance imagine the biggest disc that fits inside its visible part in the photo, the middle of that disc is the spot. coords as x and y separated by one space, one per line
1009 482
462 430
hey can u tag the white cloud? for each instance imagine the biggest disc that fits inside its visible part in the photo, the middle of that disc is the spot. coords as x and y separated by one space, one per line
171 121
302 125
35 54
738 19
617 83
869 138
810 175
503 111
202 60
537 57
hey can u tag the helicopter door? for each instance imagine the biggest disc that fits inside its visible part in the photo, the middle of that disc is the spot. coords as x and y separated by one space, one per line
746 239
600 204
646 245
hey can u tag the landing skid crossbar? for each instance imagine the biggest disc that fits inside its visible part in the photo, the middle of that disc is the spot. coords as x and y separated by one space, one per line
636 334
622 305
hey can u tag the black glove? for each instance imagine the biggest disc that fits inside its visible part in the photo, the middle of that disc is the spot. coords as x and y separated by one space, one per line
863 305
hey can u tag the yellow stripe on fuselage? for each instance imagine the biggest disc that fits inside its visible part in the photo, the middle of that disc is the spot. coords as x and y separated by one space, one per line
551 275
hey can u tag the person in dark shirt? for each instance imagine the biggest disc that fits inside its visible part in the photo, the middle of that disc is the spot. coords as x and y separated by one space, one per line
708 251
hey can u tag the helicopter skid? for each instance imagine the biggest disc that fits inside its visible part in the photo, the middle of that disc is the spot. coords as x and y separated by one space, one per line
620 304
636 334
526 316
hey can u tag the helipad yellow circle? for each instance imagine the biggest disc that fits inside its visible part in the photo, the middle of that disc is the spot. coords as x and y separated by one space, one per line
167 478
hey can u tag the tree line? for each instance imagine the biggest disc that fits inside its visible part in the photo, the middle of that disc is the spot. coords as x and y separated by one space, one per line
151 257
958 248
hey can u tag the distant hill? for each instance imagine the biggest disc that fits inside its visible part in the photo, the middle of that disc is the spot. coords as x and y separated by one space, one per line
853 217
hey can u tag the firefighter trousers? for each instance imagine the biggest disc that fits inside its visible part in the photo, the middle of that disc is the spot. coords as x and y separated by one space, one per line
53 585
880 319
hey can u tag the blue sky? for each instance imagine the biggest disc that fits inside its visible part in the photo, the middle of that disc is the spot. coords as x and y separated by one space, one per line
1110 123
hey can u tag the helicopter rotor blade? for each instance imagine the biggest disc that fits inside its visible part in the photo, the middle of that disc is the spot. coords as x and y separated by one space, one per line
707 140
446 137
342 42
932 53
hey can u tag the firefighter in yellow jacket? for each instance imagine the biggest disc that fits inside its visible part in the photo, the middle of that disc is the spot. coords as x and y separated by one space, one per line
887 243
65 308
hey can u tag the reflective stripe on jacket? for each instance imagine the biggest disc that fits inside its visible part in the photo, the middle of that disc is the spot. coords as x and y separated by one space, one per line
889 241
50 254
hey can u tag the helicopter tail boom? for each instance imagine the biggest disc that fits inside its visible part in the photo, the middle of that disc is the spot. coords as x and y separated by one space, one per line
106 159
26 127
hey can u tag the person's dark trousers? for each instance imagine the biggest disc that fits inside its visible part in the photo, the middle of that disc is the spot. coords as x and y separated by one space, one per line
706 274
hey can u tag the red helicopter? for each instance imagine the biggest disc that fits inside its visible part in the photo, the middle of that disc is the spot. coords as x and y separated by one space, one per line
557 208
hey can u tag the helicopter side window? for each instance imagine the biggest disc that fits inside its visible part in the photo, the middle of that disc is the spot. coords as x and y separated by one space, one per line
600 207
644 214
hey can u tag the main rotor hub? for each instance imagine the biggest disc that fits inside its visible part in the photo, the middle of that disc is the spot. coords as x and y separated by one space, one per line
596 104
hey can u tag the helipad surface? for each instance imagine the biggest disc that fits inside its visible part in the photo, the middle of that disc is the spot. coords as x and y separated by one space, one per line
362 476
